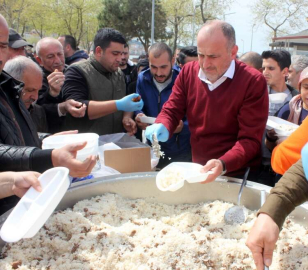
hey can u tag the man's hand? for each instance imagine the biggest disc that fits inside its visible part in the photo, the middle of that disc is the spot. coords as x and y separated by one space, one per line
74 108
160 131
129 125
141 125
129 103
179 127
214 165
55 81
24 180
271 134
66 157
262 239
271 139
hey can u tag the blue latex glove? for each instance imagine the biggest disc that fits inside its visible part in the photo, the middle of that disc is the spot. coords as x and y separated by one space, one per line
127 104
305 159
161 132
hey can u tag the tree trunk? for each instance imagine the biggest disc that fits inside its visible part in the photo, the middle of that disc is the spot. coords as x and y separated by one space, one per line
23 29
176 33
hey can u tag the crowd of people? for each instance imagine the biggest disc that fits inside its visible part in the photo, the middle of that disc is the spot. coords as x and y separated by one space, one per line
211 107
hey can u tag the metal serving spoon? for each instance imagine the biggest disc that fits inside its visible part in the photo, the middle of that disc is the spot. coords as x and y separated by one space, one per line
237 214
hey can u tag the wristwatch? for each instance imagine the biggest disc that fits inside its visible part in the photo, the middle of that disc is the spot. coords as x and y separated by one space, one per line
224 169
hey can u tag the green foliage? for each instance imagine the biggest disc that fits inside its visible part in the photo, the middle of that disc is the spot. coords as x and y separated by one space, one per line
133 19
54 17
15 12
185 17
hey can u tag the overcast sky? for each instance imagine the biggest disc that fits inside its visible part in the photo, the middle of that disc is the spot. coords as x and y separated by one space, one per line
241 20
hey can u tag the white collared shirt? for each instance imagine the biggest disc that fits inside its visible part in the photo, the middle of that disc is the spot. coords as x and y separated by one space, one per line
228 74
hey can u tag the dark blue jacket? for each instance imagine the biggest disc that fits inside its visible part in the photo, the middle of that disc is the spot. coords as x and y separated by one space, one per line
77 56
153 102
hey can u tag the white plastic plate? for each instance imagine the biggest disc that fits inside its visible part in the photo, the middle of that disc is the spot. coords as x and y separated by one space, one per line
34 208
147 119
277 98
188 170
274 122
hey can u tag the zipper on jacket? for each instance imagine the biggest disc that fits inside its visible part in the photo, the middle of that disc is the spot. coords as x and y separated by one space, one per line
158 102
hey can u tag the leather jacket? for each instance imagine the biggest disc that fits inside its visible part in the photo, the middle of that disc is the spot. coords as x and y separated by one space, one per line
14 154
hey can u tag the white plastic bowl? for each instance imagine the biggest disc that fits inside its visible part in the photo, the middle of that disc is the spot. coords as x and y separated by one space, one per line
277 98
188 170
55 142
147 119
275 123
34 208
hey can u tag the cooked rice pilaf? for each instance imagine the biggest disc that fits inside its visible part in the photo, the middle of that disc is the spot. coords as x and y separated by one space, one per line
111 232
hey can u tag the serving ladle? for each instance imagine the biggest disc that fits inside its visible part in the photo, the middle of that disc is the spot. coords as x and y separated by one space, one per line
237 214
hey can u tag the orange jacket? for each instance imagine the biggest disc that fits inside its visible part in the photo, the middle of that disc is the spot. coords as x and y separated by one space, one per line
289 151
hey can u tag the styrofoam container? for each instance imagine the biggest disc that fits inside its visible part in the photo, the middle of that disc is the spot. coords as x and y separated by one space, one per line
34 208
55 142
190 172
277 98
276 123
147 119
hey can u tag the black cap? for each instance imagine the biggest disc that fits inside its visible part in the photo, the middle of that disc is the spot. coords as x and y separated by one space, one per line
16 41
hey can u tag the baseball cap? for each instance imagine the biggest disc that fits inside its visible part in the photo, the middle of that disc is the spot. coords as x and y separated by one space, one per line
16 41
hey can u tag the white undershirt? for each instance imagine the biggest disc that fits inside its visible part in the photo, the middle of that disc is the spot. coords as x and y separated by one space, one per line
228 74
161 86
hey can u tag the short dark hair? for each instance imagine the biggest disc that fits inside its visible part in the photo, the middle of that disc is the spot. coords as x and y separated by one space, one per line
160 47
190 51
142 63
253 58
105 36
126 46
143 56
68 39
229 33
282 57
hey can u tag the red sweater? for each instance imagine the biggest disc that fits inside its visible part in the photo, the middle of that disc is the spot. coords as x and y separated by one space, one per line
226 123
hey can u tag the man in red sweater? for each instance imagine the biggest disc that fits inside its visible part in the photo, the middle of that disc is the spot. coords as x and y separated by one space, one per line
225 101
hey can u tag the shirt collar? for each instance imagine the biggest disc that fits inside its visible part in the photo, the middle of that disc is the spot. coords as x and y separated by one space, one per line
228 74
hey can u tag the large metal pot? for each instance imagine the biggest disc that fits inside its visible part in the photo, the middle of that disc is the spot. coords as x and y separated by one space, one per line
142 185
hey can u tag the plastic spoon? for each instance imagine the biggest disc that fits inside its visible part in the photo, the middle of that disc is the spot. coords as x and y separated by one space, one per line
237 213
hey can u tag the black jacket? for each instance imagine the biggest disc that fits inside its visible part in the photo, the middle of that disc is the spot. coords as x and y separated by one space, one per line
14 154
38 117
77 56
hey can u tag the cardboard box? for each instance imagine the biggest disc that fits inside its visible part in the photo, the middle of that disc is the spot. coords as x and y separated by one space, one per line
129 160
134 156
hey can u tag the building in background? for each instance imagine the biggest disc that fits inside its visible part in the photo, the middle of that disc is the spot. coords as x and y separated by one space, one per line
296 44
135 50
